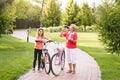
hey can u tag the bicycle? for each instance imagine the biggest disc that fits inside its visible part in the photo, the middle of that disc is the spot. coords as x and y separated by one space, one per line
46 58
58 60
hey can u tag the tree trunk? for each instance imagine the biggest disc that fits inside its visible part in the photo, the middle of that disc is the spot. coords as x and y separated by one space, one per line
84 28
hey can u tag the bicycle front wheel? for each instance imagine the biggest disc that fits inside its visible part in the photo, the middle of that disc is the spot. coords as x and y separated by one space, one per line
47 63
55 65
63 60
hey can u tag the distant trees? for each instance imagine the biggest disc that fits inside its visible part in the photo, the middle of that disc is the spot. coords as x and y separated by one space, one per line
48 15
77 15
26 14
70 14
51 13
87 16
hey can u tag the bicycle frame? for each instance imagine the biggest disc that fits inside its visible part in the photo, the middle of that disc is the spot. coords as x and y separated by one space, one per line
59 54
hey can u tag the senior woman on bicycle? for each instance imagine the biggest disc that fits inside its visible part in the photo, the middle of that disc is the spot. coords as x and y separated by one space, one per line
71 45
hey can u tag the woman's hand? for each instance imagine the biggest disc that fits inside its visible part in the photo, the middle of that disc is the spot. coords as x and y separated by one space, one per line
63 29
70 39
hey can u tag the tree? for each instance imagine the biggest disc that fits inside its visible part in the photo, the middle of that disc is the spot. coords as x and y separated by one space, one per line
7 15
3 25
3 3
51 13
27 13
118 2
21 9
33 13
108 18
87 17
70 15
25 10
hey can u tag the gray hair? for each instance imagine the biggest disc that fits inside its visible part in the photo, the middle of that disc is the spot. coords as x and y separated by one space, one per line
73 26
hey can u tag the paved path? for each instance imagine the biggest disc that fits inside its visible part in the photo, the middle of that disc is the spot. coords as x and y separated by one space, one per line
86 69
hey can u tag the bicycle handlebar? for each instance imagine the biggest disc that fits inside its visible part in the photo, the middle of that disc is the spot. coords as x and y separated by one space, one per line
51 41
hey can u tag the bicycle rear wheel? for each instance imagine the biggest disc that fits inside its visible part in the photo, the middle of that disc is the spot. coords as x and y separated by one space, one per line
47 63
55 65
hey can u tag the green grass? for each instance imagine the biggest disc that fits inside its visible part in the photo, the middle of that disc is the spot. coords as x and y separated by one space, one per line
15 57
109 63
88 41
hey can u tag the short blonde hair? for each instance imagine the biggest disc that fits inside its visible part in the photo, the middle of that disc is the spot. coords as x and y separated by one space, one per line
74 27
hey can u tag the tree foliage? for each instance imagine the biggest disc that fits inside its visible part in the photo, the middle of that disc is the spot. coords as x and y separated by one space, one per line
22 7
12 10
3 25
25 10
87 17
7 15
27 14
108 18
51 13
70 15
118 2
3 3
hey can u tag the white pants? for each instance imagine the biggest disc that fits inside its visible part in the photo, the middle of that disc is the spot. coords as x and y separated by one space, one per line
71 55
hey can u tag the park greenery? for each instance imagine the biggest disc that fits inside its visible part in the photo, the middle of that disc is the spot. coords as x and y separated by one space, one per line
51 13
102 21
105 17
108 20
15 57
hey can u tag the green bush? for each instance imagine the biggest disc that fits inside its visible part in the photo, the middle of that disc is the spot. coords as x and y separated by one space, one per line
109 27
53 29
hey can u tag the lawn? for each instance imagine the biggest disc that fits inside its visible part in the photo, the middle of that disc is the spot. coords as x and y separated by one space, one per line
88 42
109 63
15 57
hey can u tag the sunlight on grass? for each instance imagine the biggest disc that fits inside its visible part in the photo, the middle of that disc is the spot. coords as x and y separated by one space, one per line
89 40
6 47
15 57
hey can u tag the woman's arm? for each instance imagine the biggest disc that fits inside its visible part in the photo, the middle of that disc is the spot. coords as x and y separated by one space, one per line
39 40
74 39
46 39
61 34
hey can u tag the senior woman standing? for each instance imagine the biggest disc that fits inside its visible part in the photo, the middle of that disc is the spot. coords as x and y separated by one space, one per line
71 45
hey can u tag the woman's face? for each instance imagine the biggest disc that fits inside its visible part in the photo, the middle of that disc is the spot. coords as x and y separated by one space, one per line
71 29
40 32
